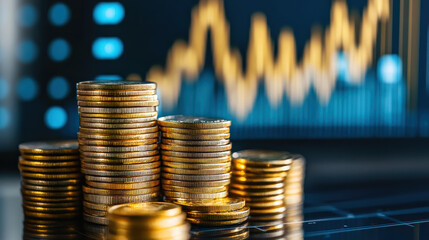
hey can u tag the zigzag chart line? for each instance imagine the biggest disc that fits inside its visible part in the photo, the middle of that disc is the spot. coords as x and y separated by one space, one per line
284 75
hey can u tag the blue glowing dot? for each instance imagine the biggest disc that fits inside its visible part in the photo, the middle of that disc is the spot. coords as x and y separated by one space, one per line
27 51
4 117
389 68
55 117
106 13
27 89
59 50
59 14
28 15
58 88
342 67
4 88
107 48
108 78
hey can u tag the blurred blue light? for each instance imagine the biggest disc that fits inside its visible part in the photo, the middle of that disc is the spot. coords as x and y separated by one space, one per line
55 117
27 89
4 117
107 48
389 69
342 67
106 13
58 88
4 88
27 51
108 78
28 15
59 50
59 14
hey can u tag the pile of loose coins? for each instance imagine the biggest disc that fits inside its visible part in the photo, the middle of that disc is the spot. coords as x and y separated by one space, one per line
118 143
196 157
260 177
51 189
152 221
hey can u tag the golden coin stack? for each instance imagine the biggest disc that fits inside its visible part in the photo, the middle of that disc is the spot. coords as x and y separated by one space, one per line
196 157
51 188
152 220
229 212
118 143
261 178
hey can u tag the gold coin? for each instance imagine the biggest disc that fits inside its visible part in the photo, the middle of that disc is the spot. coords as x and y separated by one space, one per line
117 126
52 204
146 136
133 179
105 110
282 175
145 147
128 167
265 204
95 219
196 154
51 199
118 131
51 215
127 192
198 221
51 209
194 189
171 194
105 173
183 148
117 142
48 164
117 120
35 193
181 121
218 233
115 85
96 206
195 131
268 217
144 210
262 157
119 104
51 188
117 99
195 143
46 176
196 165
207 177
116 93
119 161
222 159
50 148
196 171
140 154
176 229
118 115
257 180
263 198
118 199
205 137
267 210
257 186
270 169
217 183
94 212
256 193
49 169
221 204
65 182
220 215
146 184
51 157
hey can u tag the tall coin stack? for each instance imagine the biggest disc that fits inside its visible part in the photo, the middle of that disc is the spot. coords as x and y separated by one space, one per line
261 178
118 143
152 221
51 189
196 157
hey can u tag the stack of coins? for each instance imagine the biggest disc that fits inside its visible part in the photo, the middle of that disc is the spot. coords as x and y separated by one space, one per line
118 142
261 178
155 220
51 188
224 212
196 157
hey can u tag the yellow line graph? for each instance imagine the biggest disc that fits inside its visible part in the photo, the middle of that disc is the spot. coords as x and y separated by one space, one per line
283 75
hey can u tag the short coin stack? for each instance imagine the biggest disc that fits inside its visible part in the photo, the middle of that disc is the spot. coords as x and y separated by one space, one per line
196 157
260 177
118 143
51 188
227 212
154 220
